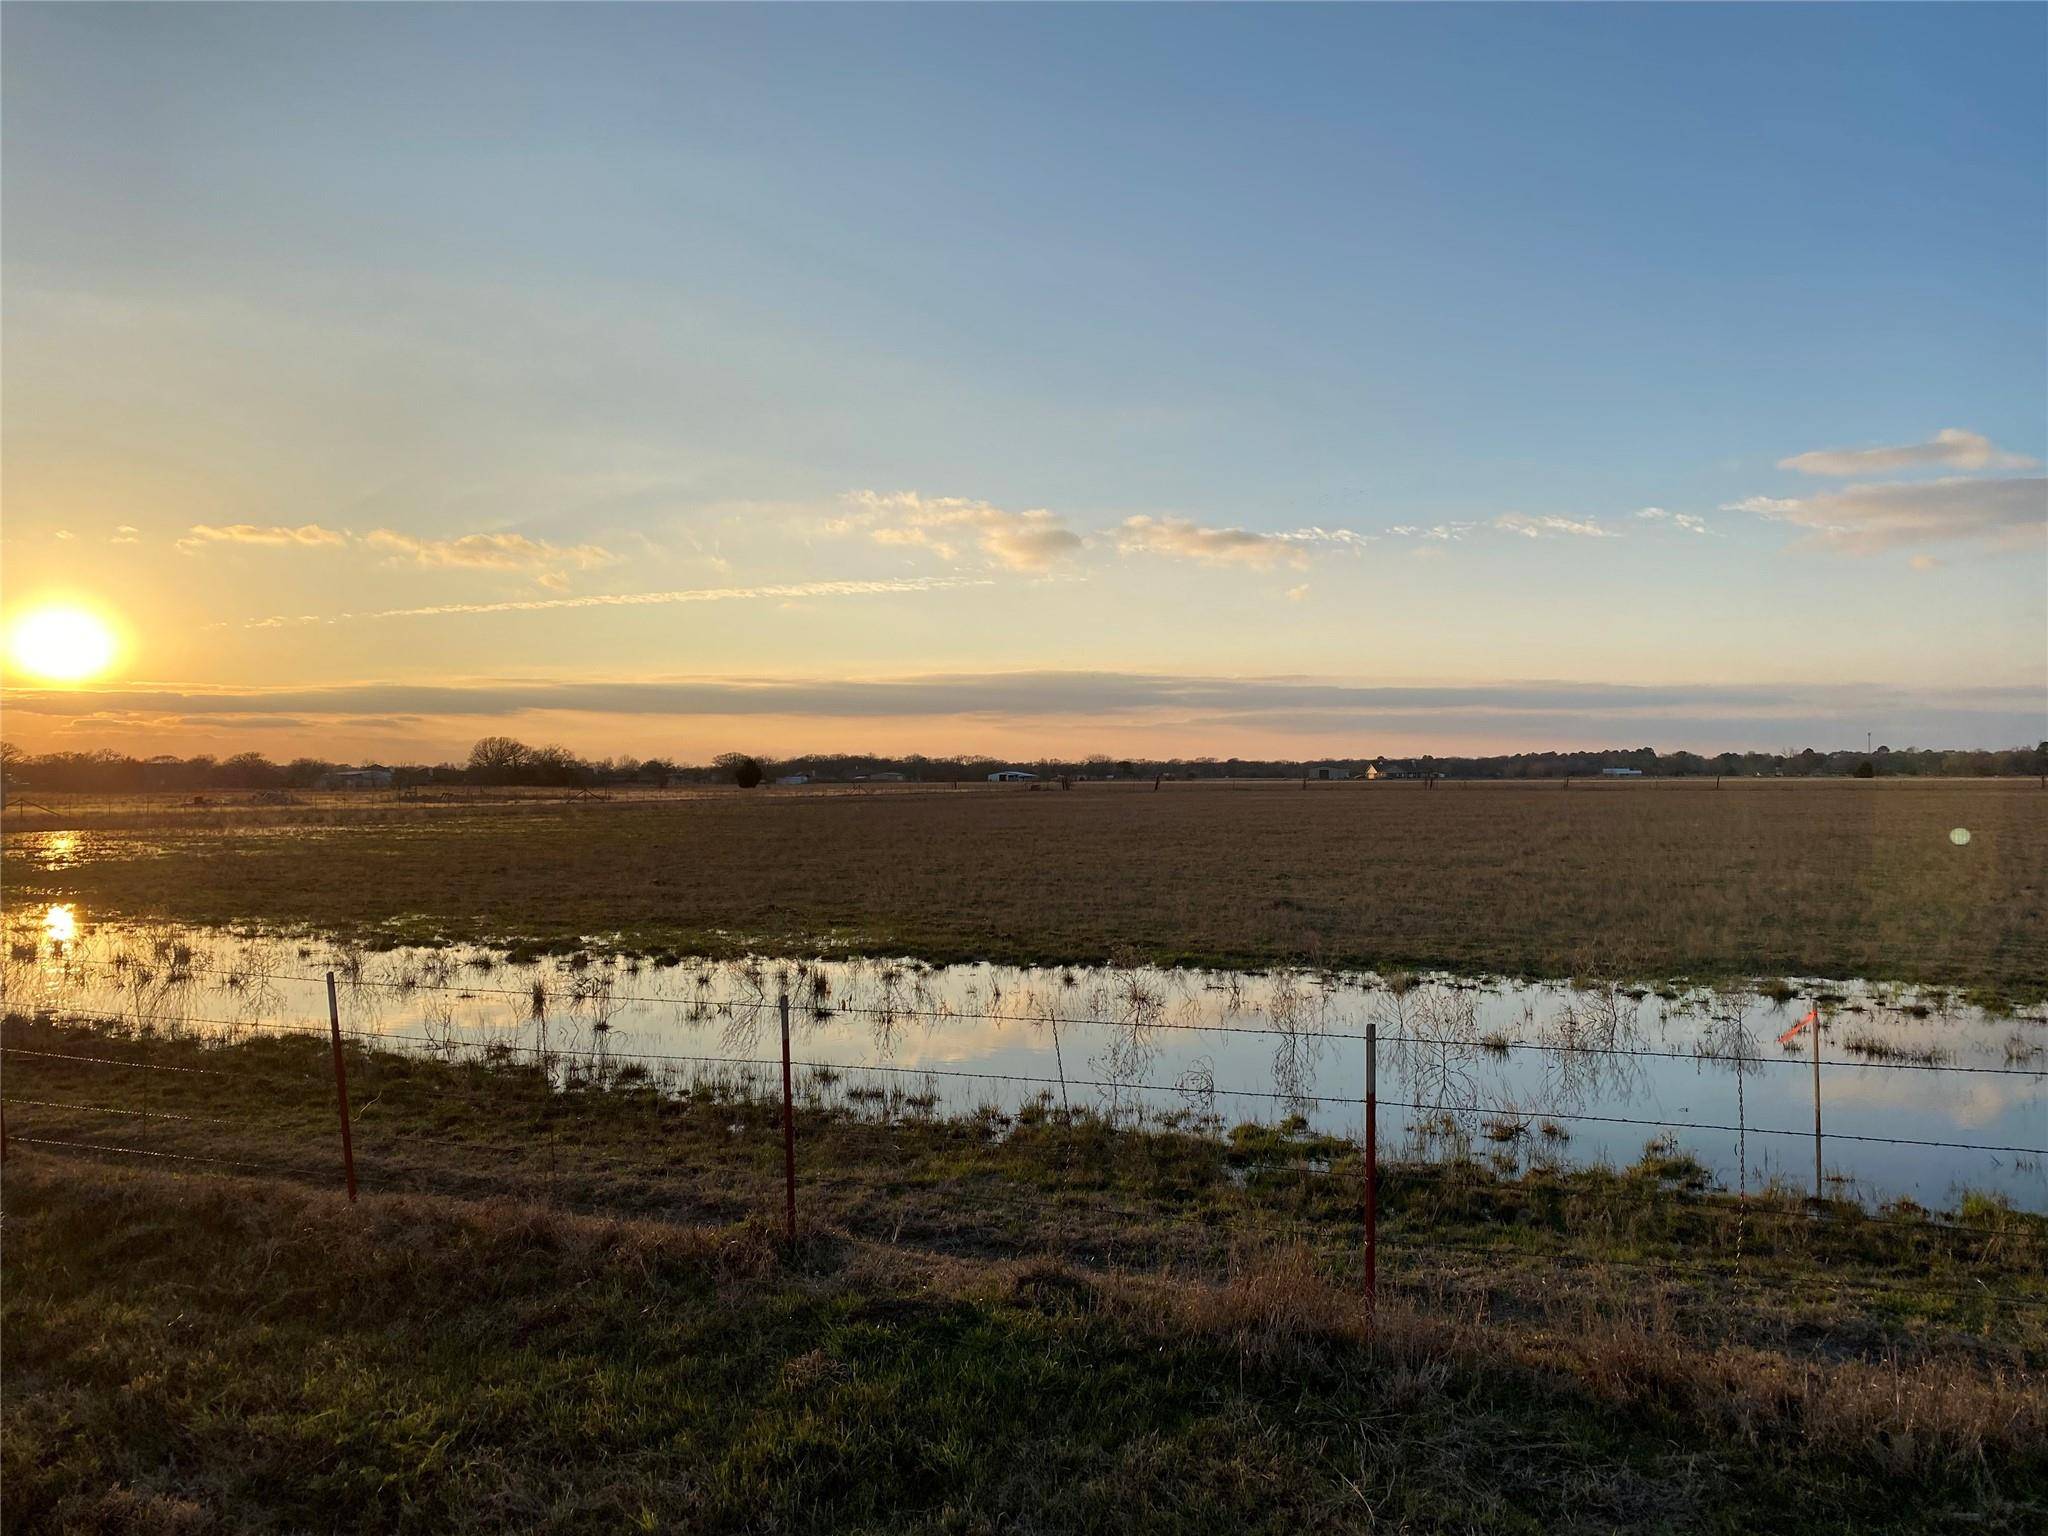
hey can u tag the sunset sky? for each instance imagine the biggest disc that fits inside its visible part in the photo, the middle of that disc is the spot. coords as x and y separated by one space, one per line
1258 382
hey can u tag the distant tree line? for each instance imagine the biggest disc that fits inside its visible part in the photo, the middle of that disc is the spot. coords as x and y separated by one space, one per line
505 760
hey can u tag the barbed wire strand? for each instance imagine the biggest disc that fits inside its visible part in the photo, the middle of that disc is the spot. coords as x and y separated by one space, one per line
1574 1116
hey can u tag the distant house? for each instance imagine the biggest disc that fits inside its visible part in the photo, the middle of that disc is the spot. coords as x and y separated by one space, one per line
792 780
887 778
1381 768
356 778
1621 773
1329 773
1010 776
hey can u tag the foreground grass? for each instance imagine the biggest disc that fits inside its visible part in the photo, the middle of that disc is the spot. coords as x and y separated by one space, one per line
569 1310
1823 878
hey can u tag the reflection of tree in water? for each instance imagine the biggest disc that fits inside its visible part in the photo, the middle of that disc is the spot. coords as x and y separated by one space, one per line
1427 1033
893 995
1728 1042
437 1021
744 1012
1043 1008
1196 1088
1133 1009
1298 1016
1580 1035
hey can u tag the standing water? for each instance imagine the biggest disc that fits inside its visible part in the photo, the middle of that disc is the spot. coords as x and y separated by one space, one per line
1922 1096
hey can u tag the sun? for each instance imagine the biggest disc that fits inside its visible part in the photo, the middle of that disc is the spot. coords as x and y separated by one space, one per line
62 643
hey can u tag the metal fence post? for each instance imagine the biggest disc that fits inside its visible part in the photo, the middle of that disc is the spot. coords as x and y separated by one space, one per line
788 1130
1372 1163
348 1151
1819 1190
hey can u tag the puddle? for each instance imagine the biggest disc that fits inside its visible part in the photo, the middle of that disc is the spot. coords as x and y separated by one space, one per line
1513 1074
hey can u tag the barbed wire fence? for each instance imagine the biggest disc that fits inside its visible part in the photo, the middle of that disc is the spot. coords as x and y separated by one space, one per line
312 1106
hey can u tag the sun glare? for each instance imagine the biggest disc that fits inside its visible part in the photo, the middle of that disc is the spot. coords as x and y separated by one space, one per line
62 644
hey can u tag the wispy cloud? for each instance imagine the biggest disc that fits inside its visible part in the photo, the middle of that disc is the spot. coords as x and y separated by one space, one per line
1950 448
490 552
275 535
1029 540
473 551
1176 538
1866 519
1684 520
1442 533
777 591
1552 527
1335 538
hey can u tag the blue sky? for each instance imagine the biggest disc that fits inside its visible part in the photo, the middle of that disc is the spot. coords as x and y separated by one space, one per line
541 304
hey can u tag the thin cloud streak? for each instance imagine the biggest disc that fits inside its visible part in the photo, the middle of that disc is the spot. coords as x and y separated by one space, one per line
275 536
1542 527
489 551
782 590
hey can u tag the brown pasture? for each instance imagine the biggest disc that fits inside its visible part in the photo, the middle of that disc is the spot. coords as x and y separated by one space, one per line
1653 879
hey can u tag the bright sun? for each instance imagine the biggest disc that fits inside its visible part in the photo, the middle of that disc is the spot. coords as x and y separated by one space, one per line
62 644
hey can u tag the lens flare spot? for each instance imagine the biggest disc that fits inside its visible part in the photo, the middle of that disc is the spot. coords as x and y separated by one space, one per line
1960 836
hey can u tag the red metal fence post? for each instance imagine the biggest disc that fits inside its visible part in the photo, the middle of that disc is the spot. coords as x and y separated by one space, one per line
788 1130
348 1151
1819 1189
1372 1163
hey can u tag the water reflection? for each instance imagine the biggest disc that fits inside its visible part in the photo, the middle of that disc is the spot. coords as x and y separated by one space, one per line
1521 1075
60 925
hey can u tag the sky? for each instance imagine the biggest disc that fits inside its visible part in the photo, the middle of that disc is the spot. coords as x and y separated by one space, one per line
1275 382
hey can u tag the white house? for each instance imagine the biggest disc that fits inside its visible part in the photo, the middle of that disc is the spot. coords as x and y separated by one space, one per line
1010 776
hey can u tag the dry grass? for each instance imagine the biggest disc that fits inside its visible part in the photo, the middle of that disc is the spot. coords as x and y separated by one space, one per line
1818 878
204 1354
571 1311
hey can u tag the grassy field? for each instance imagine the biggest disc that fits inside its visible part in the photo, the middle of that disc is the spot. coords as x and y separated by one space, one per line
1830 878
570 1311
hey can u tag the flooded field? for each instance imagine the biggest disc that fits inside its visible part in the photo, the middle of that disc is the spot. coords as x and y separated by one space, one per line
1922 1096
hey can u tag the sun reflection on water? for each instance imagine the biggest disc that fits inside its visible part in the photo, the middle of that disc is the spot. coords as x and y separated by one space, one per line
60 924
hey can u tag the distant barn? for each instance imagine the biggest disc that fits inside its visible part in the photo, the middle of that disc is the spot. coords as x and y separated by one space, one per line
1010 776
